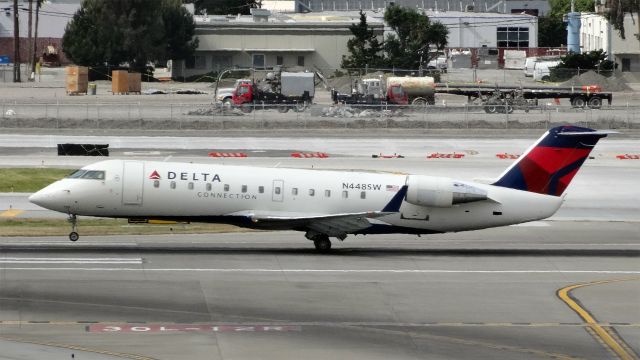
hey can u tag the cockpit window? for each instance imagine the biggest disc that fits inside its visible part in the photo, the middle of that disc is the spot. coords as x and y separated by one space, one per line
76 174
87 174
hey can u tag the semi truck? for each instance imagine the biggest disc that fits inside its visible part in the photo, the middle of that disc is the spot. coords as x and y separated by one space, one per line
500 99
281 90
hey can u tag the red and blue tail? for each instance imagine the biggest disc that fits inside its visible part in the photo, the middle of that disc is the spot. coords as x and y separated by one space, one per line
548 166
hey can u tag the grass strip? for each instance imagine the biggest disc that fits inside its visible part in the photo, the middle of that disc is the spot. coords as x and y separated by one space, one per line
60 227
29 179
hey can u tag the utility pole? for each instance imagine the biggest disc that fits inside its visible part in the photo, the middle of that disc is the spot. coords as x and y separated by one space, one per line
35 37
16 42
30 45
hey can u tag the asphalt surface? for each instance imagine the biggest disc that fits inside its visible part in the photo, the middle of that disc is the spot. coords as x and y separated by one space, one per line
488 294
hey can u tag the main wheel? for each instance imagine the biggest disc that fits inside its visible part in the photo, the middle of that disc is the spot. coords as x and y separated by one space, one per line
595 102
73 236
578 102
322 244
419 102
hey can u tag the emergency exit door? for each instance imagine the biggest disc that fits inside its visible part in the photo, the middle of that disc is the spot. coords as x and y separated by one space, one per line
132 183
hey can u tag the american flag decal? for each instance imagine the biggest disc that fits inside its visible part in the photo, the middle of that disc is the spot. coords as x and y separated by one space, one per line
393 188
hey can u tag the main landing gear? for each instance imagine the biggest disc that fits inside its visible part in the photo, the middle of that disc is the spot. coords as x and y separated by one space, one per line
320 241
73 235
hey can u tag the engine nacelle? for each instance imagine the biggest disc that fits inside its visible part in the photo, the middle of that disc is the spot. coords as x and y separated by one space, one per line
435 191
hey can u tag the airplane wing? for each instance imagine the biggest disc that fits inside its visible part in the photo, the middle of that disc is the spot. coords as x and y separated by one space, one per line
331 224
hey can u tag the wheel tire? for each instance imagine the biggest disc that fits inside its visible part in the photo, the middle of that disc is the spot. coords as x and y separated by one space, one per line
546 78
509 109
578 102
300 107
490 109
73 236
227 104
419 102
595 102
246 108
322 244
283 109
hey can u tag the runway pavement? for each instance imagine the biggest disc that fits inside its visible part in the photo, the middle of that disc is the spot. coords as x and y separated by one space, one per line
558 289
490 294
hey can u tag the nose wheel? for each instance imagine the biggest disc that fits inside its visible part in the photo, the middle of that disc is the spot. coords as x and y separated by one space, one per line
73 235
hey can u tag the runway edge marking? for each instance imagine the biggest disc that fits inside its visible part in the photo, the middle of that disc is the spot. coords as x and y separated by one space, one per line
613 342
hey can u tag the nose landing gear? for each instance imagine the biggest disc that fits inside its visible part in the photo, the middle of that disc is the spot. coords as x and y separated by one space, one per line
73 236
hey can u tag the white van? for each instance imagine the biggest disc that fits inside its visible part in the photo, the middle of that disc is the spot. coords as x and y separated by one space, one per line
542 69
528 65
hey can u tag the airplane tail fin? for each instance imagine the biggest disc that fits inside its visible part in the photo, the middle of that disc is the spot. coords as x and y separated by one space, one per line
548 166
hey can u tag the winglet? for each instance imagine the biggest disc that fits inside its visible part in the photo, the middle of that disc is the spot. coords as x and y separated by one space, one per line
396 201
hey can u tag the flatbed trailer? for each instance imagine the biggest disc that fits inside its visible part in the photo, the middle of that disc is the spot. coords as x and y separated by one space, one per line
506 98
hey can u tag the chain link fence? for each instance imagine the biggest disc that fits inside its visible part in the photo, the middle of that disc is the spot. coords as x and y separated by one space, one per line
262 117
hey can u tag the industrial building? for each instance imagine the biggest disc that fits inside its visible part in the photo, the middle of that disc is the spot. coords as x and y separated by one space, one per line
319 39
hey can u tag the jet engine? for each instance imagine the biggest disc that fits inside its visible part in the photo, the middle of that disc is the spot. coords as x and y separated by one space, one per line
435 191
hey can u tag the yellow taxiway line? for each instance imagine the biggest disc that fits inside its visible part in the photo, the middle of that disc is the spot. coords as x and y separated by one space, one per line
11 213
623 351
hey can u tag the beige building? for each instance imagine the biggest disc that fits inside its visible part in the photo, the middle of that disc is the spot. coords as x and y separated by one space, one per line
265 40
597 33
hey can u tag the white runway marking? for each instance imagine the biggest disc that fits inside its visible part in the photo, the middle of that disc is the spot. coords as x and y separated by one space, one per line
389 271
37 260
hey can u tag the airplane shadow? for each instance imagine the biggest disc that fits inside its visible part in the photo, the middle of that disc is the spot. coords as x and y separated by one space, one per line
310 251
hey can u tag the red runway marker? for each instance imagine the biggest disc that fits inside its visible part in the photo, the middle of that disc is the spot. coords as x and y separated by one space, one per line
228 154
628 156
300 155
445 156
507 156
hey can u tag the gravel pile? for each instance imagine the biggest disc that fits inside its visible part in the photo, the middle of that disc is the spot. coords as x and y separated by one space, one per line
218 110
615 82
349 112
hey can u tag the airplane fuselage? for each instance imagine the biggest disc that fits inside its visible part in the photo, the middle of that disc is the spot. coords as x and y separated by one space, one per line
233 194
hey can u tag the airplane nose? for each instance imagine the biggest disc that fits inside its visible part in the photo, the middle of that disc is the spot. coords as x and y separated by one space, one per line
48 198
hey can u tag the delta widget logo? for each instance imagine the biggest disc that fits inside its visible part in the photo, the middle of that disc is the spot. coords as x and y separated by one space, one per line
154 175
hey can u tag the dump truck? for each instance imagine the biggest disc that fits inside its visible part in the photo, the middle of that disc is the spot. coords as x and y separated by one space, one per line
281 90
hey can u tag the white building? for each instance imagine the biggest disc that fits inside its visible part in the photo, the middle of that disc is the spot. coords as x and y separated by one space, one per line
597 33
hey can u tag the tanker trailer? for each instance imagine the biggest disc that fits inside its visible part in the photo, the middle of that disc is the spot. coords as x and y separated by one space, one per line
420 90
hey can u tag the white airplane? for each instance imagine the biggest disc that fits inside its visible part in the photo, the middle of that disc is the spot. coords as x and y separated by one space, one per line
324 203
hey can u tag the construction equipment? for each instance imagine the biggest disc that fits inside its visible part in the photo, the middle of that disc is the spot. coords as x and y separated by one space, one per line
279 89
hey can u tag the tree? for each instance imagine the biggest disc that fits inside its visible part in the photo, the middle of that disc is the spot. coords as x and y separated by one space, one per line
224 7
415 36
364 48
618 9
552 31
129 31
572 62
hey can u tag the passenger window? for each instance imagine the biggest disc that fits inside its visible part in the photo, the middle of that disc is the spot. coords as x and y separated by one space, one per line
172 185
208 187
312 192
327 193
226 187
363 195
345 194
277 190
261 189
294 191
244 188
190 186
156 183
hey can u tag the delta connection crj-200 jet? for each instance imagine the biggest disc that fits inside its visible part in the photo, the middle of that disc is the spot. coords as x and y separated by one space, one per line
323 203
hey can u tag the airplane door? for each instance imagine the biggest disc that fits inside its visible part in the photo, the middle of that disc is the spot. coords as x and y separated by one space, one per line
132 182
278 190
